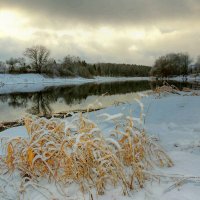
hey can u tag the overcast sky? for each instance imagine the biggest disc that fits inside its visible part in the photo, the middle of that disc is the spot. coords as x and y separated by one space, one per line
122 31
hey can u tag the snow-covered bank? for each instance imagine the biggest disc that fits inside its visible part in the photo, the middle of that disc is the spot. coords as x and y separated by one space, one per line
10 83
174 121
35 82
189 78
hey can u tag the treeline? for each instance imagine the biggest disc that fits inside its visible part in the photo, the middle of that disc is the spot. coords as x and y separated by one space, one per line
175 64
196 68
110 69
39 61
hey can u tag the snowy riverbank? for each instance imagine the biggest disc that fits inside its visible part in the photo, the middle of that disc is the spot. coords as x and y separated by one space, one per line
10 83
189 78
35 82
174 121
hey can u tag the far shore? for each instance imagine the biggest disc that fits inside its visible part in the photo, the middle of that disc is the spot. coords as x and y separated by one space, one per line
10 83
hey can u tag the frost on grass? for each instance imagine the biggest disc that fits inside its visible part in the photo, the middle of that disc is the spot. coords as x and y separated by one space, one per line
77 151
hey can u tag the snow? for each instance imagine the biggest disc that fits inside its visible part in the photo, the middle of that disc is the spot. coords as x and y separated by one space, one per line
189 78
10 83
174 120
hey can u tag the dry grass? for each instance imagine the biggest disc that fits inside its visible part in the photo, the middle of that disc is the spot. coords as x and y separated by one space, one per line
185 89
78 152
171 89
166 89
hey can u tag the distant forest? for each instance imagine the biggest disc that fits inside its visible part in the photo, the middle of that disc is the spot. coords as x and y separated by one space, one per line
39 61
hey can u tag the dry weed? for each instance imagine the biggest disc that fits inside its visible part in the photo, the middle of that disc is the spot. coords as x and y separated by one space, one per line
77 151
185 89
166 89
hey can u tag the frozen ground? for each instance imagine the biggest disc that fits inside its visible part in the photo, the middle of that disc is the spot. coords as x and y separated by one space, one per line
174 121
34 82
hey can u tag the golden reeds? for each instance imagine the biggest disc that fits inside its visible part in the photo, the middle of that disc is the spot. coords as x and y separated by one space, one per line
78 152
166 89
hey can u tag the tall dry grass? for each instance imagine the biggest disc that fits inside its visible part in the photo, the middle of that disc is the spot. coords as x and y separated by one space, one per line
79 152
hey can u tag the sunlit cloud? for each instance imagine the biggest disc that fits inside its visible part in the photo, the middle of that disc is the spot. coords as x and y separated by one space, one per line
132 31
12 24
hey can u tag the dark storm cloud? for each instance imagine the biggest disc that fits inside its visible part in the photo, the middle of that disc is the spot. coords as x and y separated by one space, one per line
108 11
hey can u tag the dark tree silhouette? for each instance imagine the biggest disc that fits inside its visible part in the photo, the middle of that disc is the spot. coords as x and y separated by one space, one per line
39 56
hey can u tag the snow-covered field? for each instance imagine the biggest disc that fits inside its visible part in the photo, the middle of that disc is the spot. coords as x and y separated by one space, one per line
35 82
174 121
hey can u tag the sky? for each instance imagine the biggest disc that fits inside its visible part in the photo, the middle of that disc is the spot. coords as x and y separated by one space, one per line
120 31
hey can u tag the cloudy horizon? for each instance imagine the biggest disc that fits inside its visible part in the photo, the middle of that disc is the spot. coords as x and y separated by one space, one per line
121 31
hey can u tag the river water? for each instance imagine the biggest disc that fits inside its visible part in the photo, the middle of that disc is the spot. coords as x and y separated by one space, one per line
74 97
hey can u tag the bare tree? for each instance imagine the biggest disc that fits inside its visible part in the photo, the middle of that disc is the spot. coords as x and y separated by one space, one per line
21 61
2 67
197 65
39 56
12 64
171 64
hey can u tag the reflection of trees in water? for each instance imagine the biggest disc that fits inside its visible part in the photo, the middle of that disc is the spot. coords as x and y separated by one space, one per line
83 91
40 102
15 100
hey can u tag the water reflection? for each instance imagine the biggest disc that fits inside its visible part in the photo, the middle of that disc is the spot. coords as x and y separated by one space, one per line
42 102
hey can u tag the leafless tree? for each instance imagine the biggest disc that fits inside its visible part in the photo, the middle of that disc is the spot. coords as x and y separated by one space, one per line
2 67
12 63
197 64
39 56
171 64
